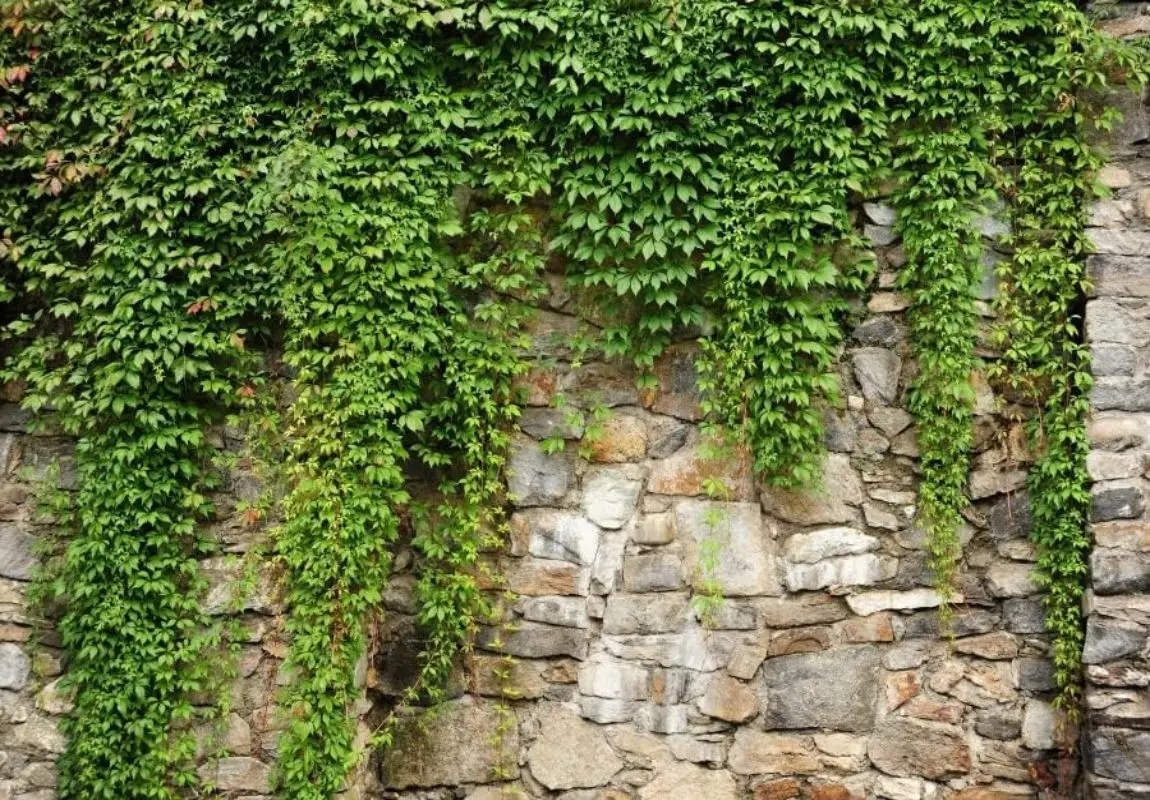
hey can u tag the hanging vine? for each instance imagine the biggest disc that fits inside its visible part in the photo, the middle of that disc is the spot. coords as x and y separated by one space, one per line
187 187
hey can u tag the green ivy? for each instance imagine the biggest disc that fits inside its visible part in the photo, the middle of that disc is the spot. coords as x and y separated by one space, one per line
357 198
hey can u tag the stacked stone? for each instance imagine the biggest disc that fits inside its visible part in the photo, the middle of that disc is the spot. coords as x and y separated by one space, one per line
30 660
1116 654
824 673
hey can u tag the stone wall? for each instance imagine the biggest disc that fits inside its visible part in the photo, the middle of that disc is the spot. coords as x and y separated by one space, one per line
823 674
1118 330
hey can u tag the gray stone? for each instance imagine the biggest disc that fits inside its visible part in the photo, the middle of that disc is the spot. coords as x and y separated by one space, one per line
746 561
868 603
606 711
534 640
1011 579
570 753
653 572
808 548
645 613
15 667
1110 501
997 725
880 235
1024 615
1119 276
878 331
910 748
654 529
757 753
605 572
834 689
1106 466
862 570
17 553
683 781
568 612
610 496
1036 675
1110 639
558 535
745 661
1120 242
464 741
1010 517
1121 394
1039 725
840 434
891 421
1121 754
667 437
877 371
243 774
535 478
614 680
880 214
1112 360
1120 571
545 423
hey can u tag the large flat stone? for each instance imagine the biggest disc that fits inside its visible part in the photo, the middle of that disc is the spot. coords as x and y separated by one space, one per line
828 504
646 613
746 565
1110 639
535 478
460 743
571 753
833 689
1121 754
877 370
17 553
861 570
15 667
557 535
609 497
1120 572
910 748
683 781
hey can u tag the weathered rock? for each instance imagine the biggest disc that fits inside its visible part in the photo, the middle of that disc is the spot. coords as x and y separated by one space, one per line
863 570
805 609
1115 433
758 753
1024 615
682 781
617 680
243 774
877 370
545 423
15 667
534 577
1120 572
623 438
690 470
535 478
666 437
729 700
862 630
1115 501
17 553
1011 579
1110 639
998 725
1040 724
1120 754
610 496
645 613
557 535
677 383
746 560
834 689
461 743
745 661
830 504
995 646
808 548
533 640
570 753
569 612
880 331
872 602
909 748
654 529
653 572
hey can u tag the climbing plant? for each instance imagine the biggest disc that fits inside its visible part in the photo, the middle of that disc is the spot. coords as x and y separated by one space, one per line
358 198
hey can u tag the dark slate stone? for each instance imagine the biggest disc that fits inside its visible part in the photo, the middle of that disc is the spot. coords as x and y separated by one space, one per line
881 331
998 725
1123 755
1117 502
1036 675
1110 639
1120 571
1024 615
1010 517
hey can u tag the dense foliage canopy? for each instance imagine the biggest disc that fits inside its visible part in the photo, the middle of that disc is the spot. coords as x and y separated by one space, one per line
369 191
